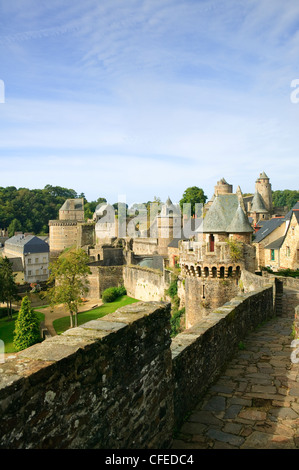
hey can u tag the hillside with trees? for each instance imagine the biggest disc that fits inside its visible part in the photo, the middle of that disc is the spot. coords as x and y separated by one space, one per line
29 210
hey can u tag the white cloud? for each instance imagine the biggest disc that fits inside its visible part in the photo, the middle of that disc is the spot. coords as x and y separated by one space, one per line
147 97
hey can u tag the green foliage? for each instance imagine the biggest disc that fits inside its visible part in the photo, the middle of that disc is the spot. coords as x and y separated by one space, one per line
112 293
282 272
173 289
193 195
236 252
68 281
175 322
286 197
29 210
8 287
27 330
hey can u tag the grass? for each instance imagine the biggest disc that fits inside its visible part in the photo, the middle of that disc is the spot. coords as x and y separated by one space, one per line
63 324
7 327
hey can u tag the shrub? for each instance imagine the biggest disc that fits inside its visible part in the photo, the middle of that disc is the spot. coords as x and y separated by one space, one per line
27 330
112 293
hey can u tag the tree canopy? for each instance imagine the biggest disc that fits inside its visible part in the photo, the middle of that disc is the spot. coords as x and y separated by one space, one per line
8 286
29 210
287 197
193 196
68 281
27 328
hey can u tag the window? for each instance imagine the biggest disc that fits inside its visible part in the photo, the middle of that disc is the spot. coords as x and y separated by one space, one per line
288 251
36 260
44 259
37 272
211 243
272 255
29 273
29 260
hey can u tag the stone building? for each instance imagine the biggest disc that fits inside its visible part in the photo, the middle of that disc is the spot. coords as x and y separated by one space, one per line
211 265
277 242
70 229
33 253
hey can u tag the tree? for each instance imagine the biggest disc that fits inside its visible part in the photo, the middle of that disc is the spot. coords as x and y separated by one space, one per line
8 286
27 329
286 197
193 195
69 282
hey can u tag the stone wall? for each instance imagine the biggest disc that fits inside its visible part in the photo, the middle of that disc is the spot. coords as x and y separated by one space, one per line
106 384
102 277
85 234
118 382
144 283
202 295
200 353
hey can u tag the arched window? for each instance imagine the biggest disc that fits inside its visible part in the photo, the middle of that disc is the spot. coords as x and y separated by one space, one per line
222 272
198 268
214 272
230 271
207 272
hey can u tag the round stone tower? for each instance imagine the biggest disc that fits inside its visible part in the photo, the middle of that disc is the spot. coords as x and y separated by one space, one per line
223 187
263 187
168 225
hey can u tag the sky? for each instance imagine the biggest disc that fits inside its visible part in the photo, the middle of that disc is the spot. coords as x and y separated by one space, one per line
132 99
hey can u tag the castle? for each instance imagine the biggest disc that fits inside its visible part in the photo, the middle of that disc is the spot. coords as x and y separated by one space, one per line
213 252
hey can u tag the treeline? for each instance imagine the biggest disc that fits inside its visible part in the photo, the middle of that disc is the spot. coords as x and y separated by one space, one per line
29 210
286 197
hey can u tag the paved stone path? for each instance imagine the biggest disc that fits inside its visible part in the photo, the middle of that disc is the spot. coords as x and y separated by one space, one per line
255 403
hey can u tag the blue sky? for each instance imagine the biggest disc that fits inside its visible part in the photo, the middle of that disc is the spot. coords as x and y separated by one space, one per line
145 98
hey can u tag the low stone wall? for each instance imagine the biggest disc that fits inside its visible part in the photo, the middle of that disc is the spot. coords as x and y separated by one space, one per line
200 353
106 384
288 282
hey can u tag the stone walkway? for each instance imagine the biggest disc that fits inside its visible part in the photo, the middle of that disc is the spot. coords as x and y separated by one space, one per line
255 403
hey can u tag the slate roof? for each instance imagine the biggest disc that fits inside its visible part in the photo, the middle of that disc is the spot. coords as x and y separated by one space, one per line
276 244
290 213
268 227
28 244
226 216
258 204
68 205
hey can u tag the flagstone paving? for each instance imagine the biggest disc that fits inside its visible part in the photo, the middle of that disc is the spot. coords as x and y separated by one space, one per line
255 403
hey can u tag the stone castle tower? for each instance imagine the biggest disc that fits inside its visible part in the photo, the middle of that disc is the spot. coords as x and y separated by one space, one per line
263 187
168 226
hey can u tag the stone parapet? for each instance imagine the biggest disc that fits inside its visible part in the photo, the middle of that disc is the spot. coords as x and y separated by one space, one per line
106 384
200 353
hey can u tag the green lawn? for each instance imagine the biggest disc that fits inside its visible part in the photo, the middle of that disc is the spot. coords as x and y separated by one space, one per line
63 324
7 327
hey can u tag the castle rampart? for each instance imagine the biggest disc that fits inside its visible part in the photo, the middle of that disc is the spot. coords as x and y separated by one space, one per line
118 382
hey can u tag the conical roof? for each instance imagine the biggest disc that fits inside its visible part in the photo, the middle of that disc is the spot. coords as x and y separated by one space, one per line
240 223
258 203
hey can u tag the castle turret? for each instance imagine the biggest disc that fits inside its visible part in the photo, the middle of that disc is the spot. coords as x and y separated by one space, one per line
263 187
223 187
168 225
